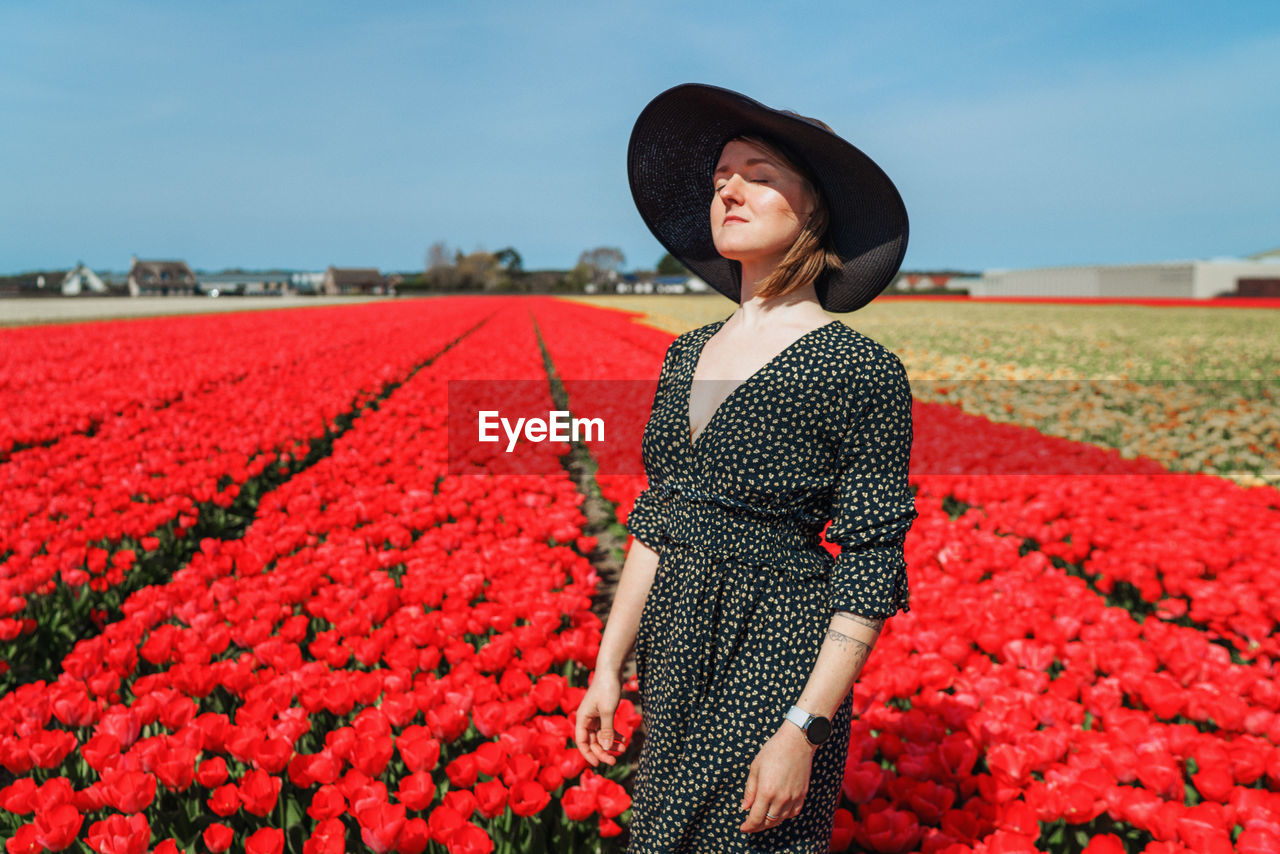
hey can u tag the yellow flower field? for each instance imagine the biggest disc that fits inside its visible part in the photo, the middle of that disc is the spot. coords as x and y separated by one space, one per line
1195 389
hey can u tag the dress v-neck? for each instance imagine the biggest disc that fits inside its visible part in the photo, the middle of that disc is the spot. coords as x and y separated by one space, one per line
694 442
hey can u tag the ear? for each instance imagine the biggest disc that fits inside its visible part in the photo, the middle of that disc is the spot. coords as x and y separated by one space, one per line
811 201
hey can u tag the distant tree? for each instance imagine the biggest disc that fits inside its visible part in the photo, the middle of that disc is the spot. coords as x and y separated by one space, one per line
603 259
510 259
438 256
577 279
669 266
480 271
442 272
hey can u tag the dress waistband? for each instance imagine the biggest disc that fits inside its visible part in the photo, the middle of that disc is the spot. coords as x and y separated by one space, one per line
718 525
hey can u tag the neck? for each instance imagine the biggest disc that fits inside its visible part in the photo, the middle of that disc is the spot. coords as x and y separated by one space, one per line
755 271
800 307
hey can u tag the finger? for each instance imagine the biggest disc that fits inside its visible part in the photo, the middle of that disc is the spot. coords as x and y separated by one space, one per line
586 753
756 820
593 743
598 749
605 735
580 734
749 793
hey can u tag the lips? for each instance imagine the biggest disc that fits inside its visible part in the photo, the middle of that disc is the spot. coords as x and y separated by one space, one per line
731 218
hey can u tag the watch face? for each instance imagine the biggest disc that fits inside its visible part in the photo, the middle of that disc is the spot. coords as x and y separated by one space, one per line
818 731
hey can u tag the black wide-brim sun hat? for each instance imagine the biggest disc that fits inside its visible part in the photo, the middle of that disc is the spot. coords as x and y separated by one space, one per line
674 148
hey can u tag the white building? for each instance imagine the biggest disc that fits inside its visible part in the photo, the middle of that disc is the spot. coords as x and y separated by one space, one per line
1167 280
79 280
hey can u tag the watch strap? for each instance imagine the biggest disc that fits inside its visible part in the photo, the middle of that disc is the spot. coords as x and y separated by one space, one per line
799 717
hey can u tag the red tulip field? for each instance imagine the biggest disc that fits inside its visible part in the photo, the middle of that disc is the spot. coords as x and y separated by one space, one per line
248 604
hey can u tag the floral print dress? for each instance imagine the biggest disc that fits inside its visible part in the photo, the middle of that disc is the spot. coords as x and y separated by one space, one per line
744 591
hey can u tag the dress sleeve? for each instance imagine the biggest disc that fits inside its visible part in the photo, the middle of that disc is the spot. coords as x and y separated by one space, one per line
645 519
873 506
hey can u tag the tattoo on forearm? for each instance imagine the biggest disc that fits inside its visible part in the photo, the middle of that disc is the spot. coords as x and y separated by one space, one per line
873 623
859 649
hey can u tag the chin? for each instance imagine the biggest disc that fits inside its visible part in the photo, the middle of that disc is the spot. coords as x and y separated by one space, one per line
736 252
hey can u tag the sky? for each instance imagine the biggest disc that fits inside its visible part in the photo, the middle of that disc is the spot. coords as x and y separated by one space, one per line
297 135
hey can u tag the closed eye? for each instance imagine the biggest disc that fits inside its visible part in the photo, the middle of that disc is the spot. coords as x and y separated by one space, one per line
756 180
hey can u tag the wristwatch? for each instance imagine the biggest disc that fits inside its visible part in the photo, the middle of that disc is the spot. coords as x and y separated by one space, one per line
817 729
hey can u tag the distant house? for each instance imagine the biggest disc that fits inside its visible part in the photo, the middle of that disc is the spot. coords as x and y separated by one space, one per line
648 283
160 278
307 283
935 281
352 280
245 283
79 280
1171 279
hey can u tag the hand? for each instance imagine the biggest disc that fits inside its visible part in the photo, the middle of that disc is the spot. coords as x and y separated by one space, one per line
595 733
779 779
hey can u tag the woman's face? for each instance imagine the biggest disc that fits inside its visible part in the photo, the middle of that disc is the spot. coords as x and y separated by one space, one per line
758 205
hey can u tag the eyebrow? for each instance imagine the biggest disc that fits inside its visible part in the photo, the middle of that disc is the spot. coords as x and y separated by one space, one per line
754 161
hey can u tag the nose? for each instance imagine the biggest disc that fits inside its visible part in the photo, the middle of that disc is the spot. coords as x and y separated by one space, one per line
732 188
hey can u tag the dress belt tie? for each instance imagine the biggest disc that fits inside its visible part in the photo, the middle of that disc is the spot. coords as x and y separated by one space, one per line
786 541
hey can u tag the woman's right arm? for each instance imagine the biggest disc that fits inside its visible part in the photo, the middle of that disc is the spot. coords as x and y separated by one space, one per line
595 713
594 732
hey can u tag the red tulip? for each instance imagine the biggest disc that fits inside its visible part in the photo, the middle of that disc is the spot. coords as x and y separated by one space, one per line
448 723
862 780
443 823
491 758
305 770
218 837
550 778
273 754
58 827
469 839
891 830
329 837
327 802
491 796
528 798
418 750
414 837
578 803
129 791
1105 843
380 825
841 830
212 772
612 798
268 840
462 771
176 768
49 747
520 768
120 835
371 754
225 800
490 718
25 841
1204 828
258 791
1258 840
19 796
417 791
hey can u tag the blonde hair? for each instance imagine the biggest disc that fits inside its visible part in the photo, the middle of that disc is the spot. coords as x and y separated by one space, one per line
812 255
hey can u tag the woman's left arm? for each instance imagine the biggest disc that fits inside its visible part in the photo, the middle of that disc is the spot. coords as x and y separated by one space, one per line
779 778
872 509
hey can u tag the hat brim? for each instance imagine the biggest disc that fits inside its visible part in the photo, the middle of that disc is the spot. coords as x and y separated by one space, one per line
674 148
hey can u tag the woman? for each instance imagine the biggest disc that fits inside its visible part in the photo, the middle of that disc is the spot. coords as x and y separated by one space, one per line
765 426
